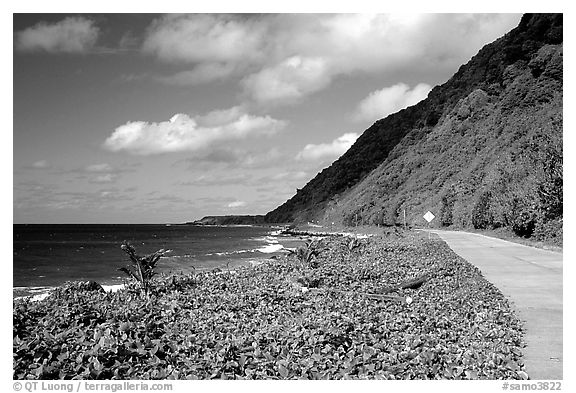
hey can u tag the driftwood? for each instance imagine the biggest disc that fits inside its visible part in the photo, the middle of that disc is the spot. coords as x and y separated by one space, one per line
415 283
410 284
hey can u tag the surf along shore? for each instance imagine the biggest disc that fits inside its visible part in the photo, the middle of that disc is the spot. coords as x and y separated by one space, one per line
394 305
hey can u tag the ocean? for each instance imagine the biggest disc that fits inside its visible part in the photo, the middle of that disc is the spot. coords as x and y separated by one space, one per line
46 256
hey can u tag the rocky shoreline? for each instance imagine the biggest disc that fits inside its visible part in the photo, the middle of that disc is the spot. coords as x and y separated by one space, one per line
328 310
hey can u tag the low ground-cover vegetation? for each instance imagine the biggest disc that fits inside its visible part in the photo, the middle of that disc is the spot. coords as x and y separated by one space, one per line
262 323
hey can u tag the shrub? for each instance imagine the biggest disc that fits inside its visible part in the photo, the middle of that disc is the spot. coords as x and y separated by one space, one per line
142 269
306 254
446 211
549 174
550 231
392 212
481 215
461 214
353 245
522 217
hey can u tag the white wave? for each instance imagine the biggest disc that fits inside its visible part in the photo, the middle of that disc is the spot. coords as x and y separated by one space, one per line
45 291
270 248
32 289
113 288
220 254
267 249
266 239
42 296
354 235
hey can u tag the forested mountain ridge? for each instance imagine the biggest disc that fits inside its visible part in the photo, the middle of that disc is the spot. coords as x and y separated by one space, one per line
484 149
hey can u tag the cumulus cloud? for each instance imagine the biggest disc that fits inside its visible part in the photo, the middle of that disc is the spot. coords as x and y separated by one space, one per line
70 35
285 57
381 103
216 45
323 151
183 133
236 204
204 38
288 81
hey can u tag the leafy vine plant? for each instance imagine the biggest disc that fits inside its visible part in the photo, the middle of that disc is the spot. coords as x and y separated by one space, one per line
142 268
306 254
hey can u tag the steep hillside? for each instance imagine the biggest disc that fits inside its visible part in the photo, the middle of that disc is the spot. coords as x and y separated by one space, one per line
484 149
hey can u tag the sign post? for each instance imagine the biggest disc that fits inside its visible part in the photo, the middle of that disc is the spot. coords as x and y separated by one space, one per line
429 217
404 219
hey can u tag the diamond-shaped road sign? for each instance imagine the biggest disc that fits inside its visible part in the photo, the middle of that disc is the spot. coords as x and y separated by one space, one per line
429 216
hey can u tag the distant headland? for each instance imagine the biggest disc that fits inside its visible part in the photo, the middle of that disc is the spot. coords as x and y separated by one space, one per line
229 220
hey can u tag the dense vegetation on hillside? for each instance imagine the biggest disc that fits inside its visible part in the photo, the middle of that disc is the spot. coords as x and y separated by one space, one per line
483 150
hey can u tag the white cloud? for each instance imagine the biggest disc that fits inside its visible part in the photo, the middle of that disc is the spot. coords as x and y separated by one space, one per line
71 35
381 103
42 164
381 42
219 117
288 81
324 151
236 204
282 58
184 133
204 38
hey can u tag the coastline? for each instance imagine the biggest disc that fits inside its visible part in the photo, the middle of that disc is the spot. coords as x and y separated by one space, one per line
333 316
271 245
71 256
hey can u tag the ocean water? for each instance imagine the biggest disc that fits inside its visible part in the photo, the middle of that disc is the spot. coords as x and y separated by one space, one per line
46 256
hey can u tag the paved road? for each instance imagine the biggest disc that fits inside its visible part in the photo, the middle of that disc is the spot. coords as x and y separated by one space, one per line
531 279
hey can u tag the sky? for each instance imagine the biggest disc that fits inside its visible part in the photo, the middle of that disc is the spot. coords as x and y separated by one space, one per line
149 118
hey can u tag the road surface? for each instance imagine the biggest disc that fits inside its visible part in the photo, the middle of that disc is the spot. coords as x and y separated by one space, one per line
531 279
